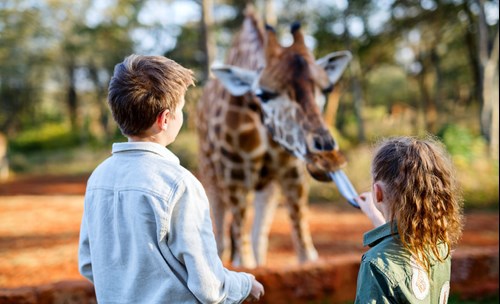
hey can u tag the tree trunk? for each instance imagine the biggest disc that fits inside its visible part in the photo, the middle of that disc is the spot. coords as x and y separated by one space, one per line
425 86
438 99
356 76
100 124
358 98
71 98
429 108
489 112
494 121
482 45
269 13
471 42
209 48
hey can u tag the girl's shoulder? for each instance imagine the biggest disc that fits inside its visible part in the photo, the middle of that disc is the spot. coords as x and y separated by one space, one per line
390 258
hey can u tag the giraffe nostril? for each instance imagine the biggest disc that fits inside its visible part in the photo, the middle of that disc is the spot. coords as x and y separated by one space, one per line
323 145
329 145
318 144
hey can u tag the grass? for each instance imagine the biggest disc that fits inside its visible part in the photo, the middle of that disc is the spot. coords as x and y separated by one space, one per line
455 299
71 161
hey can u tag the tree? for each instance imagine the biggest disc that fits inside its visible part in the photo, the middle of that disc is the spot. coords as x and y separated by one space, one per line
85 56
21 71
63 53
488 69
269 13
208 39
489 117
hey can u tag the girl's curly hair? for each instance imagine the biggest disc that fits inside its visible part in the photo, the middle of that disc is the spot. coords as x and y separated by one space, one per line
423 194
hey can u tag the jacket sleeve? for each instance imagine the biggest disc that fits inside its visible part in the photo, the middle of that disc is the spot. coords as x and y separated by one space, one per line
192 242
84 260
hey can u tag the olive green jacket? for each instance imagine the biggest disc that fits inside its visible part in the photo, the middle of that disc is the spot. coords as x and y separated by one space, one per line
389 273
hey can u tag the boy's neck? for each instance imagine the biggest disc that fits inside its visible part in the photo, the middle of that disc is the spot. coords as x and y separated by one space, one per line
155 134
155 139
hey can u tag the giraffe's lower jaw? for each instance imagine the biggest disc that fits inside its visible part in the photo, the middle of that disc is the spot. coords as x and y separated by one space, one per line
320 164
318 174
345 187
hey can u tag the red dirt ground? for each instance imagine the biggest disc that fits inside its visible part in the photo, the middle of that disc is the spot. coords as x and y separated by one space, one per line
40 220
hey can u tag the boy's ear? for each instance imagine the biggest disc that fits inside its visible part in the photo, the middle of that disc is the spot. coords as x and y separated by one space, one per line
163 119
237 81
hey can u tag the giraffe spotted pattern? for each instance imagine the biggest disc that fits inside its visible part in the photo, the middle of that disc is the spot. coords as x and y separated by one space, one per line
258 124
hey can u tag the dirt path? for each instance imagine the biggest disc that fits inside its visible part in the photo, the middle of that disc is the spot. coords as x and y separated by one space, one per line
39 232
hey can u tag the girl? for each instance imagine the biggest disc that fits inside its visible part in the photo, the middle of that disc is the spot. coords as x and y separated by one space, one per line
416 209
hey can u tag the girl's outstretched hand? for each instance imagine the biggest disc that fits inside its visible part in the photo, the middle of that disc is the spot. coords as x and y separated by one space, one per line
367 205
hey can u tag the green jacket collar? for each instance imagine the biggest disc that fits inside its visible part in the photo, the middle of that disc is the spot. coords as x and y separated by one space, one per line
374 236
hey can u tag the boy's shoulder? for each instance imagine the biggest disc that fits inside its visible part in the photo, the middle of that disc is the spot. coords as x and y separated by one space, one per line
140 170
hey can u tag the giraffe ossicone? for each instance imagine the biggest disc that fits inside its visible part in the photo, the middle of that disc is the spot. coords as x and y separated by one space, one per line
259 123
286 119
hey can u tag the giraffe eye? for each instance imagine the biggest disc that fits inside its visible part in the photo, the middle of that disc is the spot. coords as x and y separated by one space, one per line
265 96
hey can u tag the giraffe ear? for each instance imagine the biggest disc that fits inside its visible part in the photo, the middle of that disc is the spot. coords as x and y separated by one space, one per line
335 64
236 80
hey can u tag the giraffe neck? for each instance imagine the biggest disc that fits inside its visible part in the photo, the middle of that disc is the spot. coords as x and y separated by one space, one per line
280 117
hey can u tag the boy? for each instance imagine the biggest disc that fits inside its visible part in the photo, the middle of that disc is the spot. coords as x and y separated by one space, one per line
146 233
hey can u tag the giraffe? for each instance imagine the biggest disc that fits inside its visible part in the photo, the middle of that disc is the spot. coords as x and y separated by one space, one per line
258 123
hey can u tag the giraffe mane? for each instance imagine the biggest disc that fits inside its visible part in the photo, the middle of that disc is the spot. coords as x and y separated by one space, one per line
249 43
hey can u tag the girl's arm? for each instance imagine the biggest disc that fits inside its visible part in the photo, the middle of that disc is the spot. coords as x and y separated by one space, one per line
367 205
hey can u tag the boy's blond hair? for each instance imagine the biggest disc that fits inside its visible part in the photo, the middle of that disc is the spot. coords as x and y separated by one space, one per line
422 193
144 86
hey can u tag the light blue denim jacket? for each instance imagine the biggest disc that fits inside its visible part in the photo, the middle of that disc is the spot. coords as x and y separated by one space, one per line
146 234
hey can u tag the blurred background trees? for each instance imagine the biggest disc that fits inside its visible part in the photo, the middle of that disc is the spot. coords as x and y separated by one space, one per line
419 66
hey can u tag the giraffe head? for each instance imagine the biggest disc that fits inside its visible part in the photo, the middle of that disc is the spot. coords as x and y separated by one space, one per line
292 89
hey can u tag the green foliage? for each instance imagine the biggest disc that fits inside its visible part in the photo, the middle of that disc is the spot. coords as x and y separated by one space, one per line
185 54
185 147
453 299
392 88
21 42
479 183
487 299
461 143
51 50
68 161
477 172
50 136
43 150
